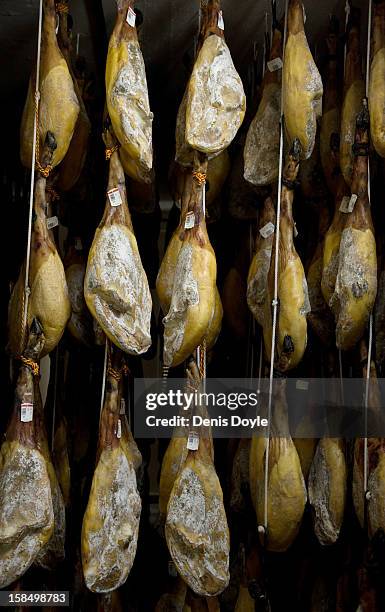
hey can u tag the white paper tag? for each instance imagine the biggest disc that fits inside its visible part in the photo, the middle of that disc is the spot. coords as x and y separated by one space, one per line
52 222
26 412
172 569
78 244
131 17
221 23
275 64
114 197
122 406
119 429
189 221
302 385
267 230
193 441
347 203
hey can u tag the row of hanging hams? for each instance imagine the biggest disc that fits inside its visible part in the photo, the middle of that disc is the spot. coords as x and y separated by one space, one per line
112 287
342 277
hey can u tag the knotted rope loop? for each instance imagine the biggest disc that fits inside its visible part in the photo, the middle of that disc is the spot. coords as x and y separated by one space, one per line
110 150
200 177
31 364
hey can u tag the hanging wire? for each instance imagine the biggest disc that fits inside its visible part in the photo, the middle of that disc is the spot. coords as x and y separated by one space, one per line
104 375
366 405
365 479
275 300
32 183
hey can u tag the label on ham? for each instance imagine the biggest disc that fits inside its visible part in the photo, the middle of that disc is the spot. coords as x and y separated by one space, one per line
52 222
275 64
122 406
221 23
131 17
119 429
114 197
267 230
189 221
347 203
26 412
302 385
78 244
193 442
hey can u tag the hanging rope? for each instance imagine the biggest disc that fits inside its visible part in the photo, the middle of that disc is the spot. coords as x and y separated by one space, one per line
35 147
263 528
110 150
31 364
365 479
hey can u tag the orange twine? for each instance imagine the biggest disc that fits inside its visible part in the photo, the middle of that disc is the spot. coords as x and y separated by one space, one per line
62 7
31 364
110 150
200 177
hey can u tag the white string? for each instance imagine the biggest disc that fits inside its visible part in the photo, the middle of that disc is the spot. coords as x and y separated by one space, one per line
32 183
104 375
365 480
275 301
366 404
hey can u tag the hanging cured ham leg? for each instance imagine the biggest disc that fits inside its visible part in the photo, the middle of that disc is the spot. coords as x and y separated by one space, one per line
80 322
115 285
73 162
111 520
127 95
261 152
356 284
331 246
196 526
286 486
48 300
216 102
194 288
26 510
377 79
327 483
177 450
167 270
59 106
259 268
292 287
354 91
302 85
